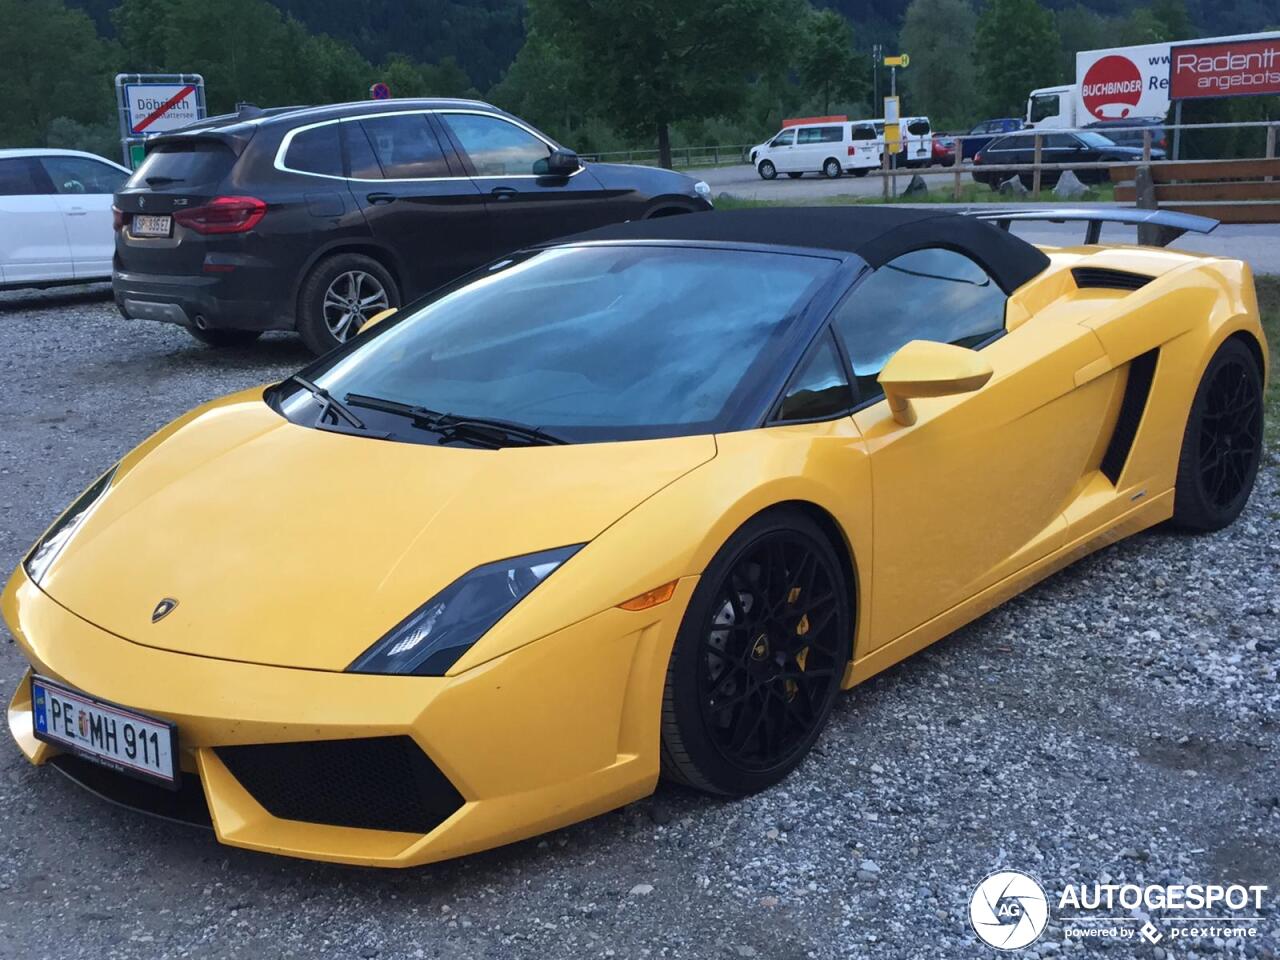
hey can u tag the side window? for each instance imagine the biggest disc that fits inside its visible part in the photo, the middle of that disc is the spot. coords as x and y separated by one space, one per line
918 127
863 133
832 135
362 162
930 294
819 388
496 147
1058 141
18 178
316 151
406 147
808 135
82 175
784 139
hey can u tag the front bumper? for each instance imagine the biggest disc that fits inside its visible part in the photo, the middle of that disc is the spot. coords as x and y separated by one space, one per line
553 732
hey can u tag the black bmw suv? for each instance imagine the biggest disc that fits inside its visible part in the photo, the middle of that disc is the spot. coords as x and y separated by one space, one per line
317 218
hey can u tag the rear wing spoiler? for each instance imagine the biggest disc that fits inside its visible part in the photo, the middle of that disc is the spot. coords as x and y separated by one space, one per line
1172 223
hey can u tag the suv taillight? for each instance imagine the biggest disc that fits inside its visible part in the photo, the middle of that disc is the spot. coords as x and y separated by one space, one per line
977 157
223 215
117 218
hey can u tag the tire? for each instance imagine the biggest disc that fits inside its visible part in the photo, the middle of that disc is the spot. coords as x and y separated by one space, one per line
831 168
767 170
338 282
760 668
795 175
1222 443
224 338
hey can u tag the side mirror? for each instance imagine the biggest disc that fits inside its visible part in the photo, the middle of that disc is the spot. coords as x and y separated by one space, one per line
561 163
923 368
378 318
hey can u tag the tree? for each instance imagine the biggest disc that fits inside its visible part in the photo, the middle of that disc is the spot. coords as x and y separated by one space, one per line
1017 51
651 63
1080 28
542 86
52 65
939 36
827 63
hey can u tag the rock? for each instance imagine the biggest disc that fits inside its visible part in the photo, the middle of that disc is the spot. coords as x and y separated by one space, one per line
745 951
917 187
1013 187
870 866
641 890
866 876
1069 186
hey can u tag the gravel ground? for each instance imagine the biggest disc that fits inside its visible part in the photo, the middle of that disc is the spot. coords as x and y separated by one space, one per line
1119 722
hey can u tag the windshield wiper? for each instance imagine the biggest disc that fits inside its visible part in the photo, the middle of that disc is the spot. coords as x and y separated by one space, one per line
485 429
419 414
488 428
329 404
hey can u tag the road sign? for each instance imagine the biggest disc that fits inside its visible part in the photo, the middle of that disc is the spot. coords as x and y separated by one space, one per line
155 103
901 60
380 91
892 128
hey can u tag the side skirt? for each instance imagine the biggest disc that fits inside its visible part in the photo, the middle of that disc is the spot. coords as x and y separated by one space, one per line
1148 514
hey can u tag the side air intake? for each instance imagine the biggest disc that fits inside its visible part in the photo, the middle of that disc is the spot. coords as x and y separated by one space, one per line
1137 389
1103 278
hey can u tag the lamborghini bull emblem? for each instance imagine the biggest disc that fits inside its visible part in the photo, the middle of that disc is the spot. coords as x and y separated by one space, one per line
163 609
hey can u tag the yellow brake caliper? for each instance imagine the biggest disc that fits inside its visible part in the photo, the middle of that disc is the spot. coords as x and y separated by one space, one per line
802 628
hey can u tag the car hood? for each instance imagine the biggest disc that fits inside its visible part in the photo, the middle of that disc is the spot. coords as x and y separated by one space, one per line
292 546
652 181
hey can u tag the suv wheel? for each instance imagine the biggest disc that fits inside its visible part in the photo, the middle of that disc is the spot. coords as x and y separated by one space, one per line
339 296
224 338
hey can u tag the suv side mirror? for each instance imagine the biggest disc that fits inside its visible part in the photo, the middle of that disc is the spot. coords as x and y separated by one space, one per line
561 163
923 368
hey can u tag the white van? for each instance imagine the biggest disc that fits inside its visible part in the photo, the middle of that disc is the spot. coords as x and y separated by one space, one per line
916 140
831 148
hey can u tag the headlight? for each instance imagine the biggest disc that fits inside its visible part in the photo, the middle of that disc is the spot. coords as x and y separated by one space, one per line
703 189
431 639
50 545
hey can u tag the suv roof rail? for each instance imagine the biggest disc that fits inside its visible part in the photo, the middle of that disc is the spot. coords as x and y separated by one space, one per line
1093 218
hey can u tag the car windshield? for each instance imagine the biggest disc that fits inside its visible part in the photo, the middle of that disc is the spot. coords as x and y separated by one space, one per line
588 343
1093 139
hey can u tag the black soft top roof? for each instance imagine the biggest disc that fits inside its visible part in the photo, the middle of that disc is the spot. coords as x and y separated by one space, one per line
877 234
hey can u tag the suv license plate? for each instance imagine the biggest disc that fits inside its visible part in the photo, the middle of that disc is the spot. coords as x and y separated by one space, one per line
149 225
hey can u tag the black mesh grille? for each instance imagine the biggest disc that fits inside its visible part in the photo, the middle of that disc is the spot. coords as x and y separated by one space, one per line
1108 279
379 783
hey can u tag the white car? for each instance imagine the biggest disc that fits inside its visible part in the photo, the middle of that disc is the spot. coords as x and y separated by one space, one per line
55 217
831 148
915 148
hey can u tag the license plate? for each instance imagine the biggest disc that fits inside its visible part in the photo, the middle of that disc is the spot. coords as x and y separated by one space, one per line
112 736
149 225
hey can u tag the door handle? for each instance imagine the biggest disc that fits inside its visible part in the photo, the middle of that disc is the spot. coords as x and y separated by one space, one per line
77 213
380 198
503 193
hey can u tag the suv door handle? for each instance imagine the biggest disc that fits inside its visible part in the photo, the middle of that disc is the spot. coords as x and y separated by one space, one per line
503 193
380 198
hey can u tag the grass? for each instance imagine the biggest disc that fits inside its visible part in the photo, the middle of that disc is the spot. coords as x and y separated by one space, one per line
943 191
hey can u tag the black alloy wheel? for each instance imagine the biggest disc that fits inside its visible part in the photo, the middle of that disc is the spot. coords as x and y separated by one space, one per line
759 658
1222 445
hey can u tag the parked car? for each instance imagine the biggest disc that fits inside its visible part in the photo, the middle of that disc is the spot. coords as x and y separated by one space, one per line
1056 147
831 148
316 219
1129 133
915 140
55 209
944 151
985 132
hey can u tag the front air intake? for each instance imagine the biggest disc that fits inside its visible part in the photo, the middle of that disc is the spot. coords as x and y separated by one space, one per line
375 783
1106 279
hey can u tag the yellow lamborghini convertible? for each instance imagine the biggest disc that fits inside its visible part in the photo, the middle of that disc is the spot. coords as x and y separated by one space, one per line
638 503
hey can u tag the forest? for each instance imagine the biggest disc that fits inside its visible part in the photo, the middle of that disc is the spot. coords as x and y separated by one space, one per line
599 75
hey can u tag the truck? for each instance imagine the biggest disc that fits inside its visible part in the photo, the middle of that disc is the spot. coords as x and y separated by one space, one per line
1115 84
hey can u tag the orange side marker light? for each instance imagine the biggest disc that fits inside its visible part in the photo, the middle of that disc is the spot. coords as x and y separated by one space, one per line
650 598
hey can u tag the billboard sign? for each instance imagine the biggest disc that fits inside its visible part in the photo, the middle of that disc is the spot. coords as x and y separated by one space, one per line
1234 68
1123 82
